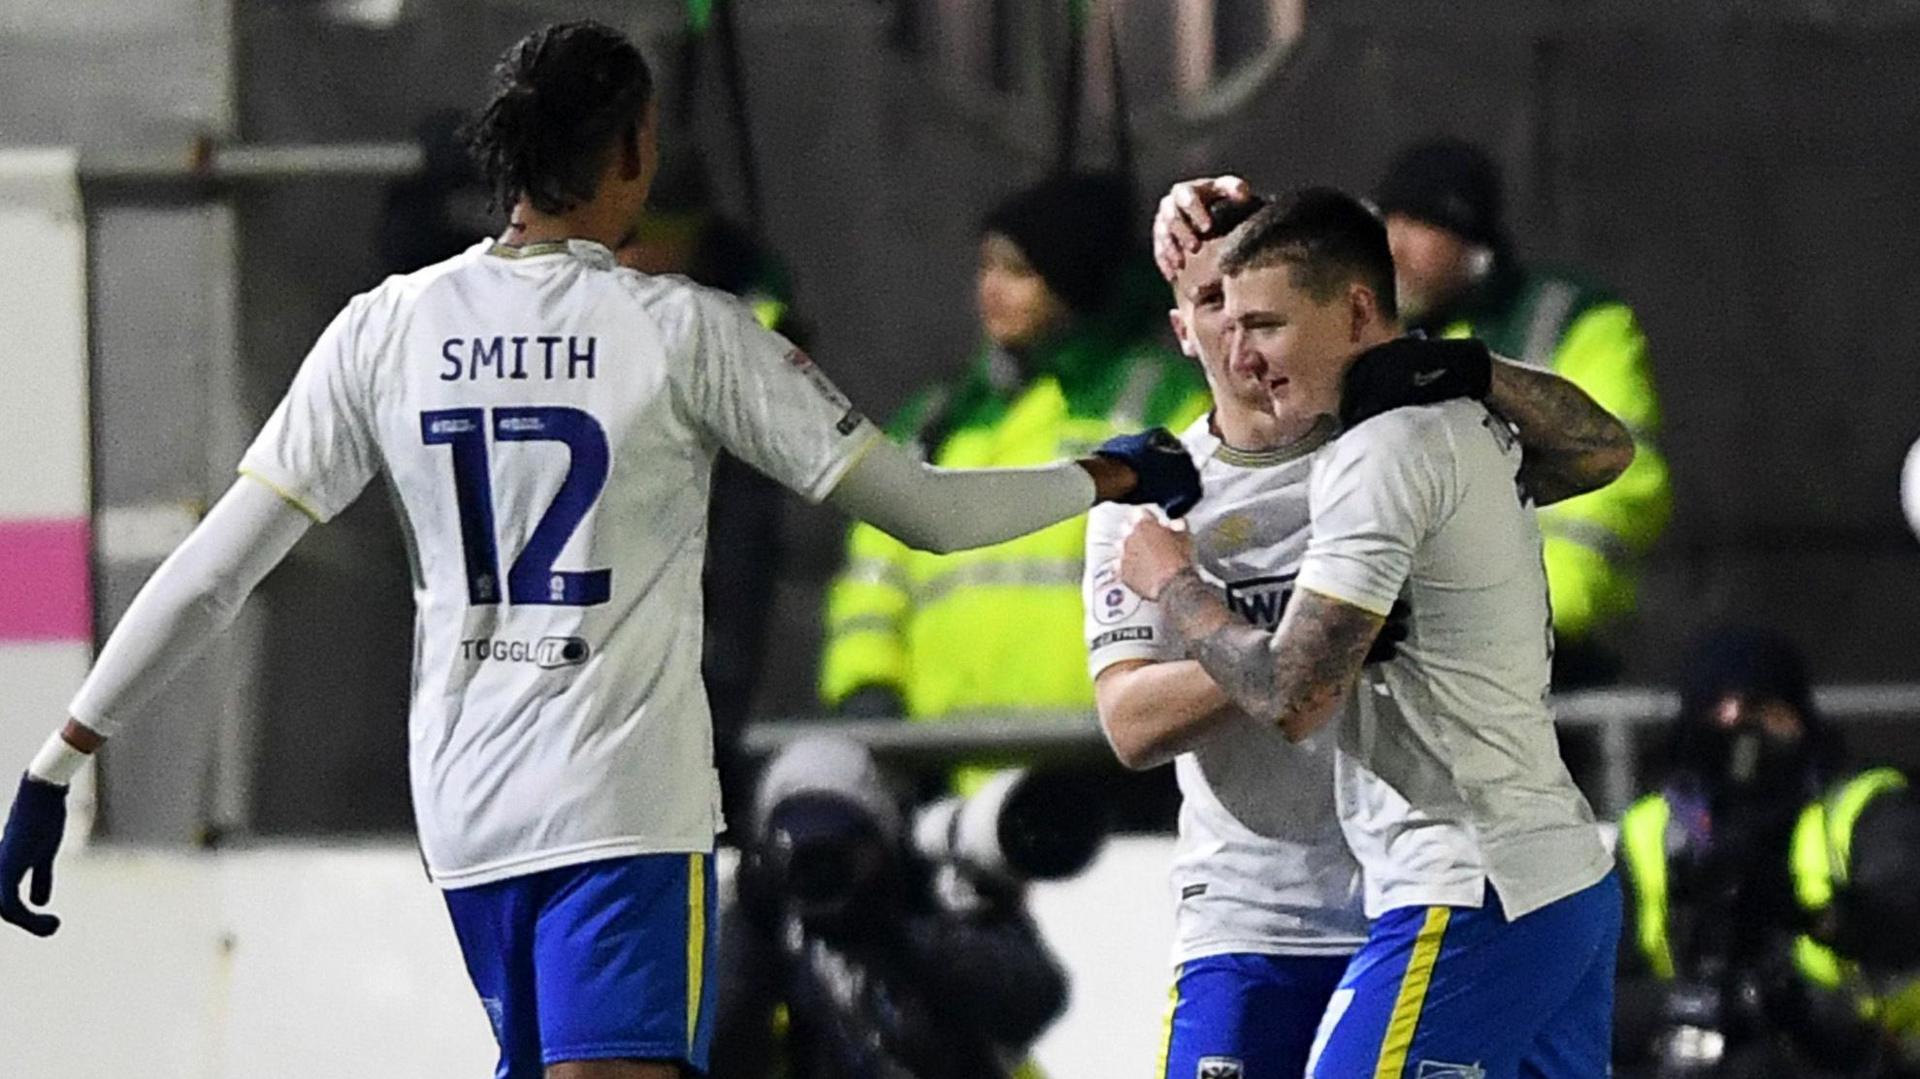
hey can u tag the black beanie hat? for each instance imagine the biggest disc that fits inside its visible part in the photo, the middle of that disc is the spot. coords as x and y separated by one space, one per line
1755 663
1076 229
1758 664
1448 183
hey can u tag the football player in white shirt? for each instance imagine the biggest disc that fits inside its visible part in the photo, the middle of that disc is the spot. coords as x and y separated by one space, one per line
549 422
1495 915
1268 895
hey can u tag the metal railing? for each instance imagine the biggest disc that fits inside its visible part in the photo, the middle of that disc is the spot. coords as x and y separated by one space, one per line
1612 717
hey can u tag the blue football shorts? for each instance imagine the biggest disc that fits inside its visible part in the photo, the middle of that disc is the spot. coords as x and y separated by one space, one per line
1247 1016
600 961
1463 993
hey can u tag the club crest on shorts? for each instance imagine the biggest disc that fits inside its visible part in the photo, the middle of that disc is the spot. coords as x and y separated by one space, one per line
1220 1068
1434 1069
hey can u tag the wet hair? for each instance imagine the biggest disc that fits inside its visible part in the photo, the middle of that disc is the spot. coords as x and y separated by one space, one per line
561 97
1328 238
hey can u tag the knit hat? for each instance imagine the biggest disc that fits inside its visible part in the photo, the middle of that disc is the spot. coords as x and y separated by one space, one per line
1757 664
1450 184
829 768
1077 231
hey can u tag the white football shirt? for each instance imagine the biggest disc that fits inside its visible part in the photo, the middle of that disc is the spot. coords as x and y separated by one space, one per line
1261 865
549 422
1450 773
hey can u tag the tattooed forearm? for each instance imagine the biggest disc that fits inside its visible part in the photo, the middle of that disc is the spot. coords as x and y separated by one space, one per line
1237 656
1296 677
1572 445
1317 656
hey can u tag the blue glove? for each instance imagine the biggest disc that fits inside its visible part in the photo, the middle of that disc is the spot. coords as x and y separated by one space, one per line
1164 473
34 828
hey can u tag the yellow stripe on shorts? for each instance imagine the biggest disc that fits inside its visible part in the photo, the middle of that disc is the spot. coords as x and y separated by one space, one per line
1166 1041
696 940
1413 995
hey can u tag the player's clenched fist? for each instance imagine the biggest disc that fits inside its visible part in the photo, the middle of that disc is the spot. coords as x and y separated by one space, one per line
32 838
1152 554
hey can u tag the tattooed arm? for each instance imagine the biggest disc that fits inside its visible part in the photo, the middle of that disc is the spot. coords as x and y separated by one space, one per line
1296 676
1572 444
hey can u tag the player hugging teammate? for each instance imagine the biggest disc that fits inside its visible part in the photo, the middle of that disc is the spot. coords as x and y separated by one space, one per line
1395 715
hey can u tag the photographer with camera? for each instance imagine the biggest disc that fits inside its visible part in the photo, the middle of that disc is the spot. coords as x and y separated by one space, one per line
858 947
1712 905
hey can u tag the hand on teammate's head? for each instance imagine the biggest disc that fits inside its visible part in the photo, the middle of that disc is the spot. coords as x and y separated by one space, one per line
1183 221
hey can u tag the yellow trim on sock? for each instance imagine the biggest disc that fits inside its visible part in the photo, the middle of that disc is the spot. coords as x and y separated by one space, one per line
696 941
1413 995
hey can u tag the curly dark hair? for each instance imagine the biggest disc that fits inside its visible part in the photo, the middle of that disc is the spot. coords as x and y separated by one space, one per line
561 95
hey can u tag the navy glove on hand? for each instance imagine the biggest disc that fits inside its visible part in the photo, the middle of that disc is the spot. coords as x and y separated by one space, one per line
1164 473
32 838
1413 371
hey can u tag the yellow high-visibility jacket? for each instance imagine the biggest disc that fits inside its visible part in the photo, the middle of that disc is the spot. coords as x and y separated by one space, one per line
1817 861
1594 341
998 628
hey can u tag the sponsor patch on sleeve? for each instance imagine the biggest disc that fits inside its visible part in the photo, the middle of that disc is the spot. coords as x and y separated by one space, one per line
1124 633
850 418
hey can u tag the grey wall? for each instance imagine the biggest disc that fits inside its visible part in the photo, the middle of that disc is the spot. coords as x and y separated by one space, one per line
1738 172
110 78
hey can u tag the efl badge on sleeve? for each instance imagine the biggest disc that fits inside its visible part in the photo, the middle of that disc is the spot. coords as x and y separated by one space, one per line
1112 601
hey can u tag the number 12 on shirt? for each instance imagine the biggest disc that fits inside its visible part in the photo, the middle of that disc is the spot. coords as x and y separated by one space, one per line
532 578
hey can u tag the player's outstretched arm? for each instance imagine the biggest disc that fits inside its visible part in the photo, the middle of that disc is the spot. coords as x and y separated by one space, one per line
192 597
1153 711
1297 676
944 510
1571 445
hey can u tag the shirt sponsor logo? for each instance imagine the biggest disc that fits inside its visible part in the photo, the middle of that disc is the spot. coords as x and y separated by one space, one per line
1220 1068
1261 600
1124 633
549 653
